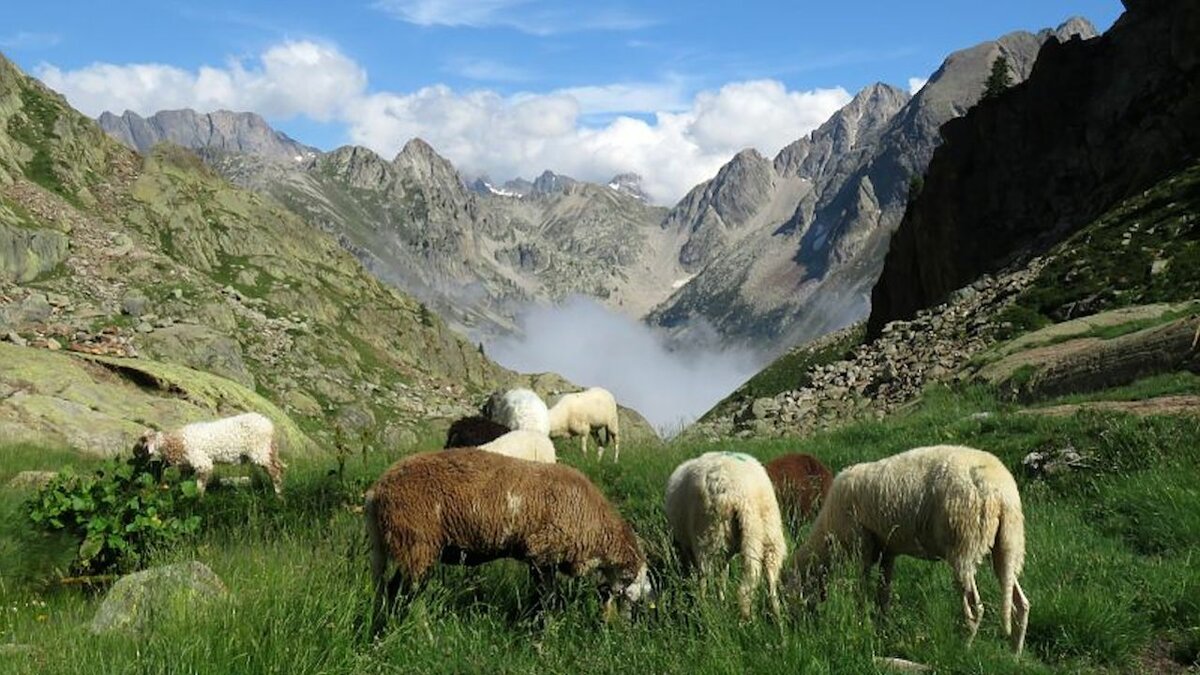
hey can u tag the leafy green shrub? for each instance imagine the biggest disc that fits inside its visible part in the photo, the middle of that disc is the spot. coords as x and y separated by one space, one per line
118 513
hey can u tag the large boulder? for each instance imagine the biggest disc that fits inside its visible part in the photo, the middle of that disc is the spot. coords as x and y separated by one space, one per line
137 601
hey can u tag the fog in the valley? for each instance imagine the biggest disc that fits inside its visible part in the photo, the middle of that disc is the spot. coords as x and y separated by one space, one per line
591 345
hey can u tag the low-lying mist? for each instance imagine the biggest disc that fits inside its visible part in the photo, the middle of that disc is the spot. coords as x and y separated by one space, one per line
591 345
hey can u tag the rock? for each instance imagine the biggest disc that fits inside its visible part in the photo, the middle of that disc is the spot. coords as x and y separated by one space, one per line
145 327
900 665
134 303
27 253
17 340
35 308
355 419
53 345
137 601
31 479
763 407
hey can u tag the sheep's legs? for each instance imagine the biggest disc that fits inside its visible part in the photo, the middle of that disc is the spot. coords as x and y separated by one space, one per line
275 471
972 605
887 565
1021 611
202 476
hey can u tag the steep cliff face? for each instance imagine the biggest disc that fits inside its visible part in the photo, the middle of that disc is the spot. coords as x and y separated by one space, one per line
792 253
1096 121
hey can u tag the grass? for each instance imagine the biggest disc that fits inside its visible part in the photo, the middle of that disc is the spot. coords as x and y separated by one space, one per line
1112 571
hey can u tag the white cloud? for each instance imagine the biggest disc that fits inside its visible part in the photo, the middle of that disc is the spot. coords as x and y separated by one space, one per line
487 70
292 78
537 17
674 142
483 132
593 346
915 84
29 40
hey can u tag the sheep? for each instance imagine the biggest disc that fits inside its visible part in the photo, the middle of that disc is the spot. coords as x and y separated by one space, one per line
523 444
581 413
518 409
943 502
469 507
198 446
722 501
801 482
473 431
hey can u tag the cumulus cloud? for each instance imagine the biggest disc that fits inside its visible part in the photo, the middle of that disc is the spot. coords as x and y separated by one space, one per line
289 79
538 17
593 346
915 84
485 133
652 128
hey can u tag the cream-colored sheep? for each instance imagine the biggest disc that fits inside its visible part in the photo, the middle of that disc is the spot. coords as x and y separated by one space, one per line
581 413
721 503
198 446
518 409
523 444
944 502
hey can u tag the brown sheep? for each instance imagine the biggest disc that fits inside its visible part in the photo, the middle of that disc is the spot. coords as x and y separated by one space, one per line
470 507
801 481
473 431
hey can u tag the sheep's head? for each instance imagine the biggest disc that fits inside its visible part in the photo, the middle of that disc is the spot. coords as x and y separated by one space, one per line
629 589
149 446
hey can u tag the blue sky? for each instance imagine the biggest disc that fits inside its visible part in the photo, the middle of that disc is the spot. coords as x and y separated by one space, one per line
628 83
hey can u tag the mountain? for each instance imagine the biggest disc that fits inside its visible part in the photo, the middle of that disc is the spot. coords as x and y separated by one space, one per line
1096 121
222 296
786 250
476 254
219 131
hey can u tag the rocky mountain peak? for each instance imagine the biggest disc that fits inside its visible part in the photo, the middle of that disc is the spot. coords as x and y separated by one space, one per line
630 184
550 183
218 131
421 162
1075 26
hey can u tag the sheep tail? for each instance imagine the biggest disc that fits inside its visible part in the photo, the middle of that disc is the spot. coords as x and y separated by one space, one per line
1008 557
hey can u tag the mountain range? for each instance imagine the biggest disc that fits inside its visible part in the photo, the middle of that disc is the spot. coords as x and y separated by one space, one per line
769 252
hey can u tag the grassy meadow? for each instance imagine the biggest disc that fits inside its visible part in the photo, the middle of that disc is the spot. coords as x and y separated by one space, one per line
1113 573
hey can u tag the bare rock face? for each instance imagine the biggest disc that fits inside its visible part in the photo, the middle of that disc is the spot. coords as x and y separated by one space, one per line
1096 121
221 131
791 254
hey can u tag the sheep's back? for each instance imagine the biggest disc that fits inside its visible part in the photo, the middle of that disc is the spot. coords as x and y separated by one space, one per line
488 503
228 439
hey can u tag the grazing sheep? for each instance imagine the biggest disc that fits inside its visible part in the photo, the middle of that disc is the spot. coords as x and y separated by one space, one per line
518 409
723 502
473 431
249 437
470 507
583 412
944 502
801 482
523 444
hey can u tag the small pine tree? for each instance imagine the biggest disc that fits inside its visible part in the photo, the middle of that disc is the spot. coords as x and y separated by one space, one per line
999 80
915 184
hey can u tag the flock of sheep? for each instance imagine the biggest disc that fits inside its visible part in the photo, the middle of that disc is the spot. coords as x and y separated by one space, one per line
497 492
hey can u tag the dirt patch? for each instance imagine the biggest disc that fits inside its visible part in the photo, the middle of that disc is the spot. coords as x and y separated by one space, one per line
1163 405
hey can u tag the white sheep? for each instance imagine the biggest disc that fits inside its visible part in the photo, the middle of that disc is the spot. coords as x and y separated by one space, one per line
518 409
581 413
944 502
198 446
721 503
523 444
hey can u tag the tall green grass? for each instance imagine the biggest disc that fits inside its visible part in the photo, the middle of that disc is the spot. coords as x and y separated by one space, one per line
1113 570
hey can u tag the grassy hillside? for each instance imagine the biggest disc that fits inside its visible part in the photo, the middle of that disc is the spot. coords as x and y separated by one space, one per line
198 273
1145 250
1109 573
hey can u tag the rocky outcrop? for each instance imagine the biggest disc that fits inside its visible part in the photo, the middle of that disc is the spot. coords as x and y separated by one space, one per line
26 254
220 131
1096 121
884 375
